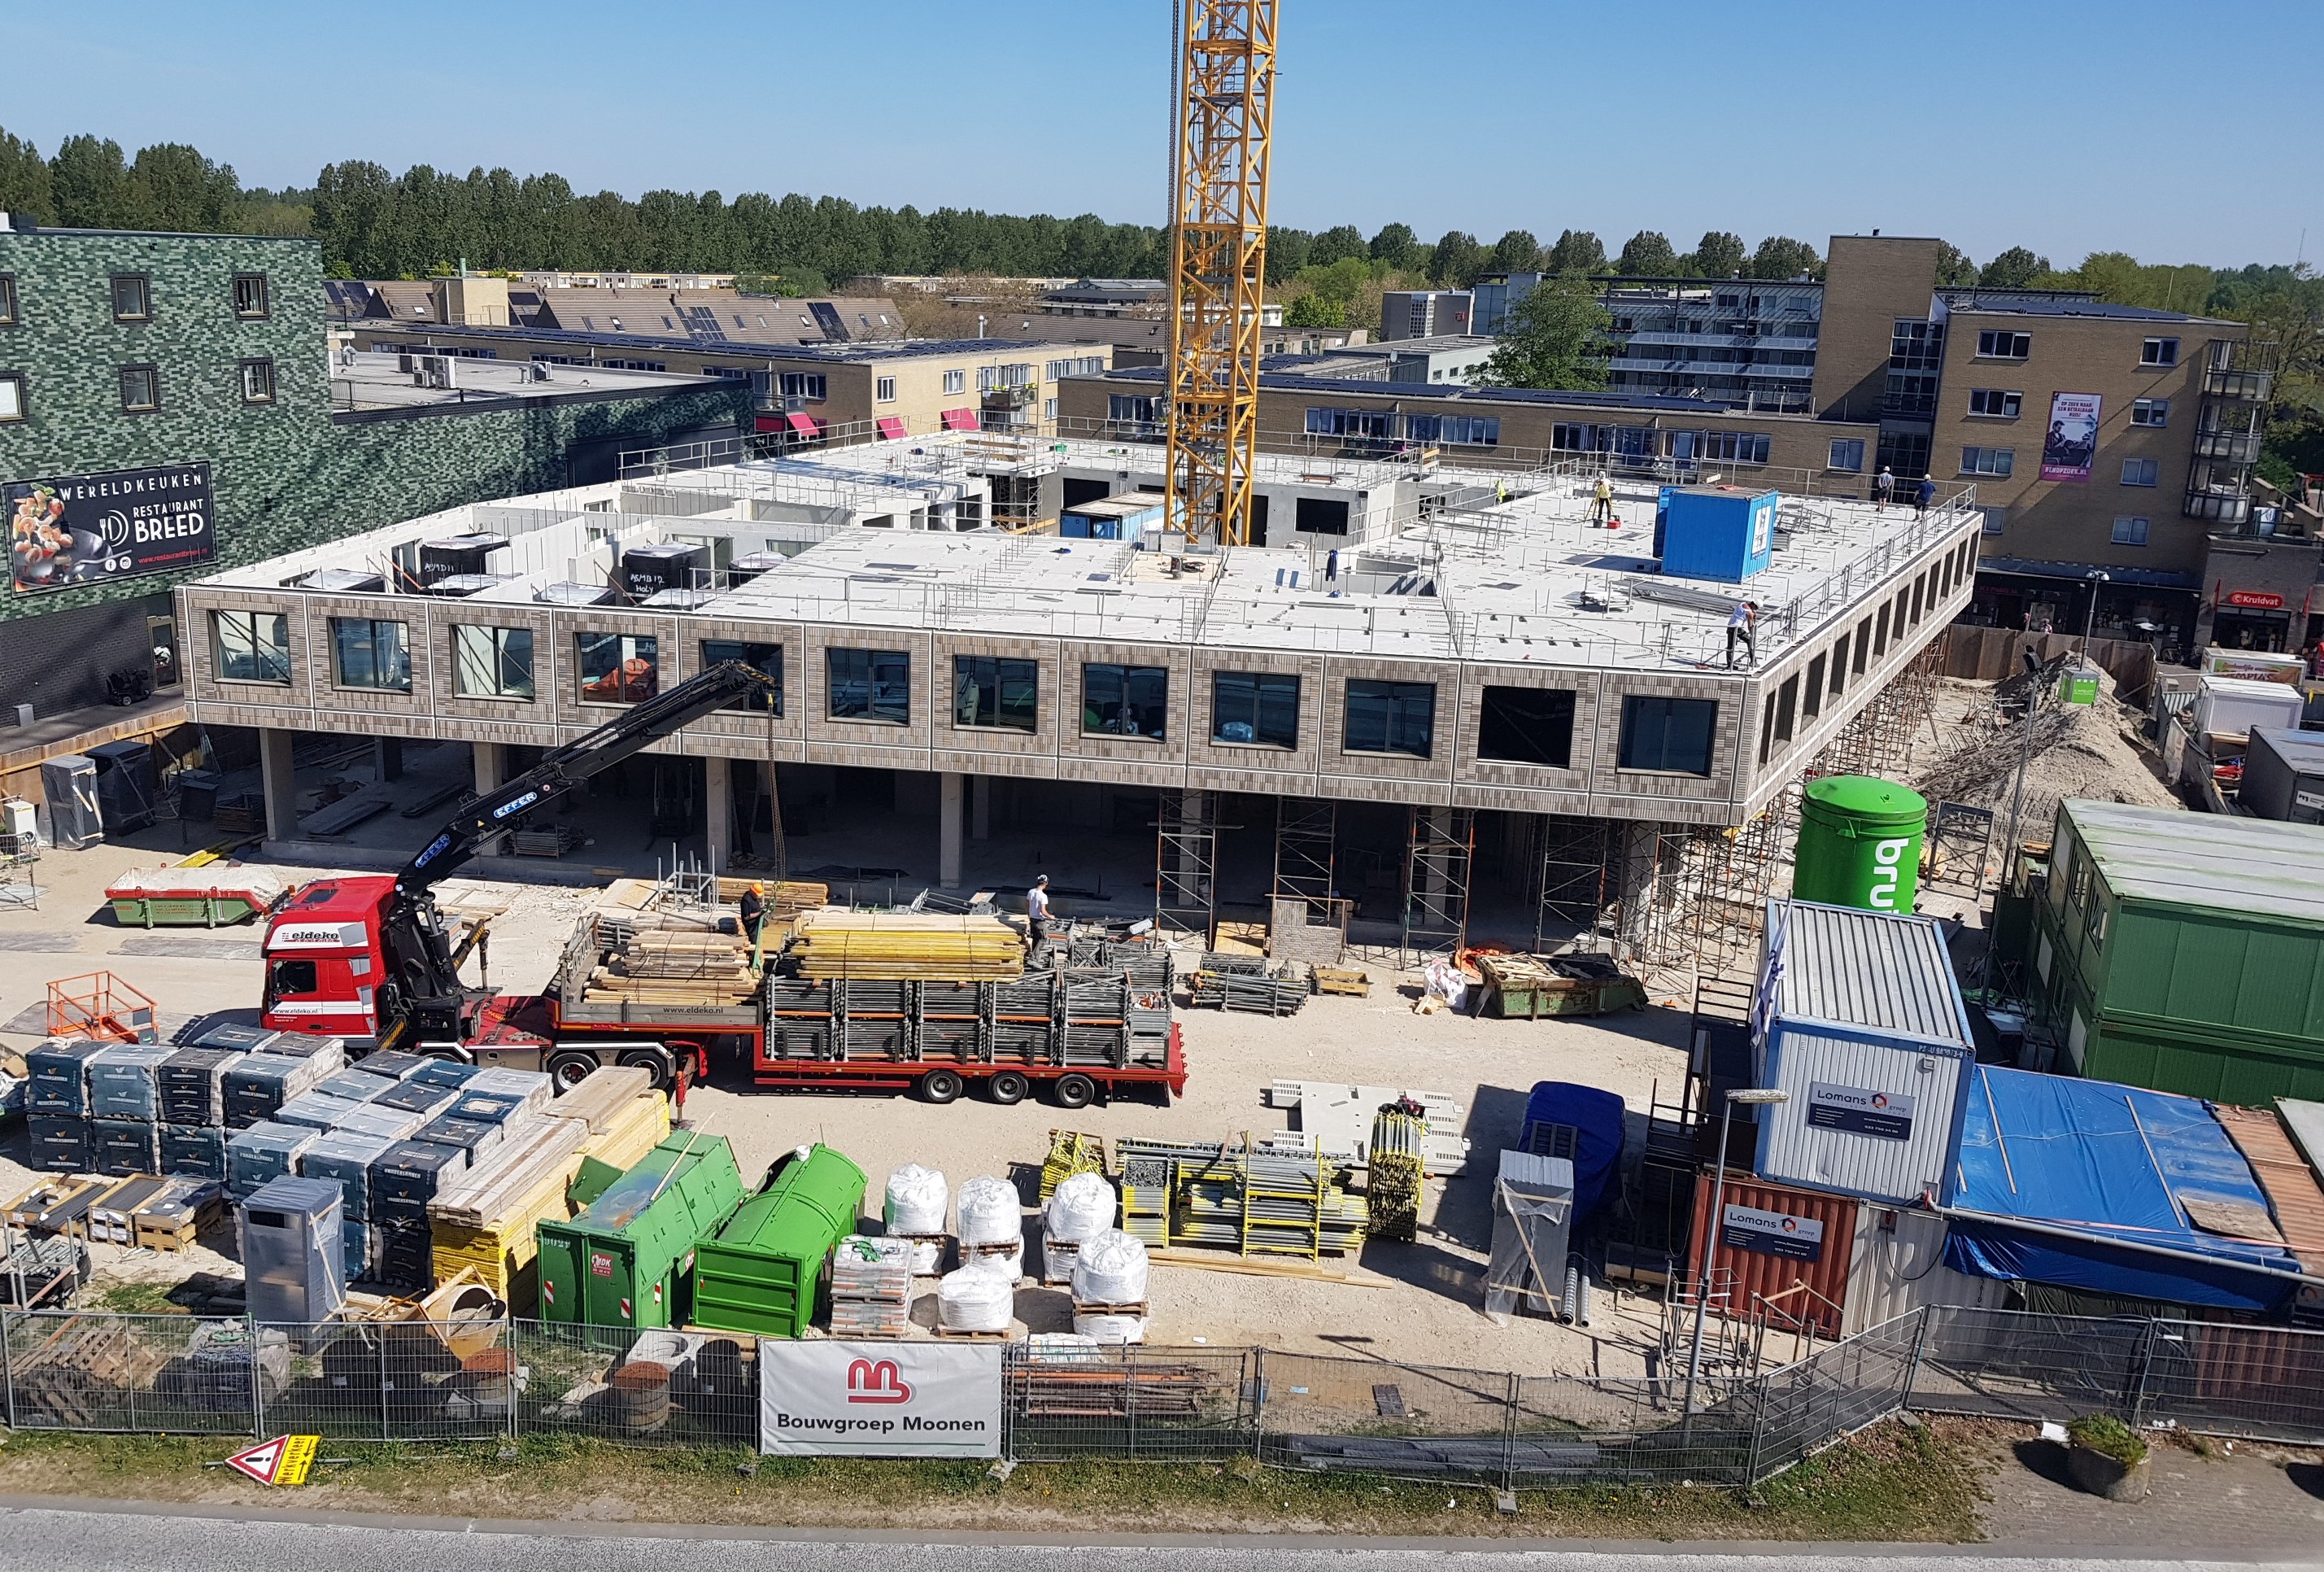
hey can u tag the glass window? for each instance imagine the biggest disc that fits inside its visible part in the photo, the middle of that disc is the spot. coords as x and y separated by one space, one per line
990 691
873 684
1129 701
1999 402
252 646
883 389
955 382
1670 734
250 294
1255 706
140 389
1526 725
370 652
1995 519
12 395
2150 412
7 300
618 668
492 663
258 382
133 302
1994 461
2005 346
1847 454
2159 352
1813 699
2140 471
803 384
766 658
2129 531
1391 717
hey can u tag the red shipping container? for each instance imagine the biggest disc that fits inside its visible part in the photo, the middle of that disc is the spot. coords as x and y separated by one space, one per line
1776 1239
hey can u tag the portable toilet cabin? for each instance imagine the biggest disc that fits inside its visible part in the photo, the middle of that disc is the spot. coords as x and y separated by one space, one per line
1723 532
1861 1023
761 1273
627 1261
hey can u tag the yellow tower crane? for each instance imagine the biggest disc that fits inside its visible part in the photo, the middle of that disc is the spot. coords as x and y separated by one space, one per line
1226 108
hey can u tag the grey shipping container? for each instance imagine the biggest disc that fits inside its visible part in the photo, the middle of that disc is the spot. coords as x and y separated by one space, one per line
1865 1028
2284 775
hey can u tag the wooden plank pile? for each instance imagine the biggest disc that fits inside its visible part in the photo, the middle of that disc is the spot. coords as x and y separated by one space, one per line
831 944
76 1369
676 966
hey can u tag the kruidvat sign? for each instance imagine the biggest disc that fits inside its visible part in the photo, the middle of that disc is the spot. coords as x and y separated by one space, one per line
82 529
879 1400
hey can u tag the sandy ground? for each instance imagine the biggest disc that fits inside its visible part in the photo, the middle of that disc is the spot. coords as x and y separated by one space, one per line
1428 1314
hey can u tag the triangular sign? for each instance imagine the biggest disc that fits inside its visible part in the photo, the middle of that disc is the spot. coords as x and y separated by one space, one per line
261 1461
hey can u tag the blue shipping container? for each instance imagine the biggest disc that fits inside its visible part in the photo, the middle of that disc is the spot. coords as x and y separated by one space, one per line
1722 532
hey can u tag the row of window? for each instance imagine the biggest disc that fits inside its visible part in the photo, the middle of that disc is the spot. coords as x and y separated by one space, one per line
2001 343
2007 403
1648 442
132 297
140 389
1384 425
1517 726
1805 695
2001 462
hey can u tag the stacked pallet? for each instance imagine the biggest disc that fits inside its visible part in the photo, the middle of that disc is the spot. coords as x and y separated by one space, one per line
872 1287
486 1219
675 967
906 946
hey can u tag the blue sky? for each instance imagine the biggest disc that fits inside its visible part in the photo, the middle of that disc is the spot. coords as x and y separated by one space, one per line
2176 131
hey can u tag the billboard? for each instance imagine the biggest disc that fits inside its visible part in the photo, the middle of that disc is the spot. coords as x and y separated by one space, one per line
879 1400
2073 438
82 529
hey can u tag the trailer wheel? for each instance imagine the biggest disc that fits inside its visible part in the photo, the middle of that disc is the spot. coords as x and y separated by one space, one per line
940 1086
1076 1091
570 1067
1008 1087
655 1061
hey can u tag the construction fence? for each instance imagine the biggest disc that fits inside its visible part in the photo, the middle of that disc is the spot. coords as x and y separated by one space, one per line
489 1380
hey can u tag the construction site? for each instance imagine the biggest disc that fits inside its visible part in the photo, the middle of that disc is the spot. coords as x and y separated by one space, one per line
1502 976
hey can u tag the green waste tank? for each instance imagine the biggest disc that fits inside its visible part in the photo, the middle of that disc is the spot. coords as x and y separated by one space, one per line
760 1274
628 1260
1860 843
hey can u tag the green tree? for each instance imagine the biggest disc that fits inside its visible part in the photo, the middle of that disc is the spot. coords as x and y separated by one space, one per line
1397 246
1647 254
1314 311
172 187
1719 255
1953 267
1286 252
1515 252
2013 269
1339 242
24 181
85 179
1780 256
1555 337
1455 261
1577 251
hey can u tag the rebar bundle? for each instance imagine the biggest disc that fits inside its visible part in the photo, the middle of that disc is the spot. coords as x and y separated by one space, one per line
1392 1192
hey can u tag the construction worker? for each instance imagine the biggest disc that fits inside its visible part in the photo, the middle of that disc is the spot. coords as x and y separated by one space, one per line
1601 505
1884 486
752 911
1036 913
1743 623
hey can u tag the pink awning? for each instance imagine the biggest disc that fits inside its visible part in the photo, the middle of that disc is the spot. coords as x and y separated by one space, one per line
892 428
806 425
960 419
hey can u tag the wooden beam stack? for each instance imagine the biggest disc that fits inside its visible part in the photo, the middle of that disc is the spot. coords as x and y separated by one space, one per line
833 945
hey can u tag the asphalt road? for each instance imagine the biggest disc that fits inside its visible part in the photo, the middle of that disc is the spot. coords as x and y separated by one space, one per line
135 1540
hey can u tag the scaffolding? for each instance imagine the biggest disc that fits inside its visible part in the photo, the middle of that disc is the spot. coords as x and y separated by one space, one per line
1573 881
1440 846
1307 831
1186 865
1880 738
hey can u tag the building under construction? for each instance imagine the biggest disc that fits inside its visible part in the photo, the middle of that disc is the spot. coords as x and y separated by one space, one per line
1452 705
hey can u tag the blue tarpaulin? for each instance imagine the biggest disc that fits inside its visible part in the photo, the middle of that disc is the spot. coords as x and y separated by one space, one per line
1596 1116
2100 1173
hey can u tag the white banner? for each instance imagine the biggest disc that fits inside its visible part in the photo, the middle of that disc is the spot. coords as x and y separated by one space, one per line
879 1400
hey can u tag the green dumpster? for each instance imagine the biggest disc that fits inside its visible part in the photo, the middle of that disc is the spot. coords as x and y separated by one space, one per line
1859 843
628 1260
759 1275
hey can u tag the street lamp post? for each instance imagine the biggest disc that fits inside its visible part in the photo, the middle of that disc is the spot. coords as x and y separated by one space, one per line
2090 619
1757 1097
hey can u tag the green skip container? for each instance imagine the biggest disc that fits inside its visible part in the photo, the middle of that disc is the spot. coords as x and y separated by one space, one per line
760 1274
628 1260
1860 843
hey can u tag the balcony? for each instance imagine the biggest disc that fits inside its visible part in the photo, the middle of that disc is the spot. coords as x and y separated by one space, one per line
2233 447
2217 507
2250 387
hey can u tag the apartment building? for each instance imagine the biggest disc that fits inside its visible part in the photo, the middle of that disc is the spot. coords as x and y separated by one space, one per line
1425 313
1746 342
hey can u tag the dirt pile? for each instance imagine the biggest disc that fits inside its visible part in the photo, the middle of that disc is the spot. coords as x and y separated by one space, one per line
2089 751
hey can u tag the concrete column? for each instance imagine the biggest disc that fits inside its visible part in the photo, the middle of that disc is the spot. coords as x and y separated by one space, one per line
387 759
490 761
718 811
1641 847
948 808
279 782
979 809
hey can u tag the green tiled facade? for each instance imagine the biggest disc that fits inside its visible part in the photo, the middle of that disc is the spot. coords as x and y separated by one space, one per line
284 475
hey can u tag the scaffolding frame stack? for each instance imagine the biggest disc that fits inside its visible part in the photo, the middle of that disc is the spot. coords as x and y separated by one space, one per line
1440 848
1186 865
1306 832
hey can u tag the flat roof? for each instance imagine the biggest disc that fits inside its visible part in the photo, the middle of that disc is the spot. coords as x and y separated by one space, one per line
1441 562
2023 307
883 349
2255 867
374 382
1293 382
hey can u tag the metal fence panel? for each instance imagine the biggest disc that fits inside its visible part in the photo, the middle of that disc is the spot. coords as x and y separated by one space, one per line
390 1381
155 1374
1572 1430
1375 1417
644 1388
1129 1402
1835 1392
2264 1383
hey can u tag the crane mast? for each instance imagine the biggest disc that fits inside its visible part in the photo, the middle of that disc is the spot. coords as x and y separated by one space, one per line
1225 111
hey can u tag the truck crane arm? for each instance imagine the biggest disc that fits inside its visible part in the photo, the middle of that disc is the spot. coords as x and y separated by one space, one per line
494 813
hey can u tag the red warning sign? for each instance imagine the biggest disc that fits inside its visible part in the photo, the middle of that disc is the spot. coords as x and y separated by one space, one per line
284 1460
